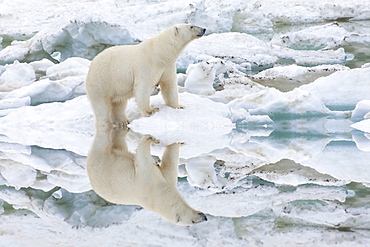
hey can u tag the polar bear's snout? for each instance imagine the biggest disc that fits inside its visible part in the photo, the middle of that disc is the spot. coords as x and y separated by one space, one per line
201 32
200 217
203 217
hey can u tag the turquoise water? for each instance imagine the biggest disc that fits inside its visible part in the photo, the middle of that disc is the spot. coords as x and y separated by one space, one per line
302 180
267 200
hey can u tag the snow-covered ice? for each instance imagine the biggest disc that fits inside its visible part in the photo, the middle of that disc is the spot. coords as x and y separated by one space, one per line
275 129
347 95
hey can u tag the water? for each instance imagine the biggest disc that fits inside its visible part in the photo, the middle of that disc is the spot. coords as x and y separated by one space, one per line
303 181
291 182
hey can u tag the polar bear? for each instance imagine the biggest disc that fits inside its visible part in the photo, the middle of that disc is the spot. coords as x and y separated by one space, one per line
122 72
122 177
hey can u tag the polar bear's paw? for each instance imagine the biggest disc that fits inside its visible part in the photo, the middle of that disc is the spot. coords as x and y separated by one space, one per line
151 111
152 139
119 125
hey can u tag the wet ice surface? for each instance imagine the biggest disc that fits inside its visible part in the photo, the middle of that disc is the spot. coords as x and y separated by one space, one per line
277 156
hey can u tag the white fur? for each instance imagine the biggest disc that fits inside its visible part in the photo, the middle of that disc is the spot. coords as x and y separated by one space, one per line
135 179
122 72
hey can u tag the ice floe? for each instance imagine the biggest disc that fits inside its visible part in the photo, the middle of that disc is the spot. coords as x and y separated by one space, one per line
286 78
16 75
201 76
343 89
55 82
274 132
361 115
314 38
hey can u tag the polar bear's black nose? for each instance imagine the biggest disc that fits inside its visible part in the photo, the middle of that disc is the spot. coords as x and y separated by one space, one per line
202 32
203 216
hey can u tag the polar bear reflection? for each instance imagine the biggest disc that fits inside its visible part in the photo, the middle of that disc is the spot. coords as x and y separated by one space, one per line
122 177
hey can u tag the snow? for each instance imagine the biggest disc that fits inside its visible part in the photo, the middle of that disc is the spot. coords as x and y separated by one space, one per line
275 125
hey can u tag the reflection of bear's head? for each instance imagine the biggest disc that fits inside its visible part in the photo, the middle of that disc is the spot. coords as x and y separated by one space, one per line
188 32
122 177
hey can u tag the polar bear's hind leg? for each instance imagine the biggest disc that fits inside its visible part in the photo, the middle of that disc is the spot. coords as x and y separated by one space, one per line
117 113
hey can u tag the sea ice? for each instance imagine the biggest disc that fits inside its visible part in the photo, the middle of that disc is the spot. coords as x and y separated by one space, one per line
342 89
201 76
272 102
361 111
286 78
265 164
57 82
239 48
252 53
327 36
16 75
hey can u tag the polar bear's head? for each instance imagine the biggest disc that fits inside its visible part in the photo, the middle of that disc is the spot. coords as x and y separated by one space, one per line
188 32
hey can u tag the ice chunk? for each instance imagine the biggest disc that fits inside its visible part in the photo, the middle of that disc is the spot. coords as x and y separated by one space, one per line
342 89
335 161
363 125
211 126
62 82
41 66
75 66
291 173
314 38
285 78
15 76
201 173
47 91
362 140
17 174
357 38
236 47
250 52
201 76
361 111
65 123
84 38
310 57
14 103
273 102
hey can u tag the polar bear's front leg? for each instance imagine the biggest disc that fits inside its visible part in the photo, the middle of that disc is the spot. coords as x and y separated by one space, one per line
144 159
169 165
168 83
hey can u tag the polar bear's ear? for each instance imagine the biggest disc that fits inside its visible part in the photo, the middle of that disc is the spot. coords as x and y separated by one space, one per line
176 31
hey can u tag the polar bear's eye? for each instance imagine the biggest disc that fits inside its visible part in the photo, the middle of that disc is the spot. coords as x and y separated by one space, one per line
191 27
